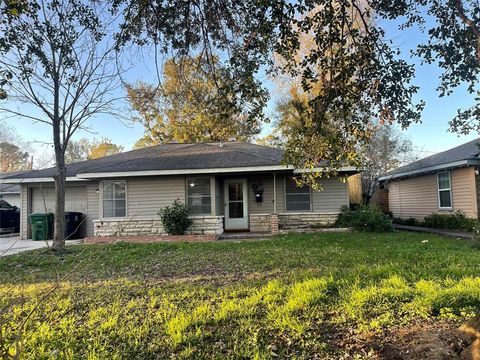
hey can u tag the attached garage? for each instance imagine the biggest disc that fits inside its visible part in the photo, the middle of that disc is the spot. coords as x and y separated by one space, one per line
43 199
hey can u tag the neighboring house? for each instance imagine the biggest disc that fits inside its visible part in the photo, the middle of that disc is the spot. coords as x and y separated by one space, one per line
232 186
10 192
441 183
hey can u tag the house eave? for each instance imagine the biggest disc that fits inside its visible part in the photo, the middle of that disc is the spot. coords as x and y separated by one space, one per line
123 174
181 172
36 180
245 169
428 169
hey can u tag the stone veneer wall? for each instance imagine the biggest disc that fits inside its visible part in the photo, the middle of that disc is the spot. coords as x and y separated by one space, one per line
307 219
263 222
202 225
260 223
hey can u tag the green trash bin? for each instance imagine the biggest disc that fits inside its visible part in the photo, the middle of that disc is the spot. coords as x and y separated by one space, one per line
42 226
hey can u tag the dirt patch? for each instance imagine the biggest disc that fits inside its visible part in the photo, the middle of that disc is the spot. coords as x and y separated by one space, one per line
423 340
433 341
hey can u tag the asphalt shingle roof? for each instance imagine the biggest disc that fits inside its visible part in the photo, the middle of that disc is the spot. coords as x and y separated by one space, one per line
173 157
467 151
9 188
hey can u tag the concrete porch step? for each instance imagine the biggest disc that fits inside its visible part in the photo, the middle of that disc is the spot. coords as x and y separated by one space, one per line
243 235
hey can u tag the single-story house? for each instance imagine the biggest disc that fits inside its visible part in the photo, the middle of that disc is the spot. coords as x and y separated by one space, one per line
232 186
442 183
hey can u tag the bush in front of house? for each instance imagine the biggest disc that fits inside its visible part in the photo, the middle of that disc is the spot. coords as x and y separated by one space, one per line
453 221
364 218
411 221
175 218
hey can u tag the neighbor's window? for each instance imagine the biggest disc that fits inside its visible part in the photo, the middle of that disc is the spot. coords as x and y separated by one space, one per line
199 195
296 198
114 199
444 190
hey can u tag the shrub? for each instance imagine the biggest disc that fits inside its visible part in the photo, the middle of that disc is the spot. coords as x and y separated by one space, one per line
453 221
175 218
365 218
410 221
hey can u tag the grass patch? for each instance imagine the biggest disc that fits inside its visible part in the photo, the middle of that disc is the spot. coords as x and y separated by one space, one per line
267 299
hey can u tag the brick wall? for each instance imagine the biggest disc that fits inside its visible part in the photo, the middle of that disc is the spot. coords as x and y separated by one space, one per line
202 225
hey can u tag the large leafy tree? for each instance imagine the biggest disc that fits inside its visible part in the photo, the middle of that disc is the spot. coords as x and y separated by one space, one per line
58 58
102 148
14 153
12 158
360 75
85 149
453 44
189 106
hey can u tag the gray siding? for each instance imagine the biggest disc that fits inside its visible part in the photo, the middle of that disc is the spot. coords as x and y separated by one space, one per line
93 203
333 196
265 207
280 180
147 195
24 211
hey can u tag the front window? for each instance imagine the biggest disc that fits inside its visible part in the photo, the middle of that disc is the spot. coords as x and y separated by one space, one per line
444 190
296 198
199 195
114 199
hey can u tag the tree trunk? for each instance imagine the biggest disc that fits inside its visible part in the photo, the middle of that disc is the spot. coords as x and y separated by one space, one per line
366 198
59 224
60 179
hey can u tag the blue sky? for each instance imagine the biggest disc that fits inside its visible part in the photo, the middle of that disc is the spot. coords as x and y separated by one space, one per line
430 137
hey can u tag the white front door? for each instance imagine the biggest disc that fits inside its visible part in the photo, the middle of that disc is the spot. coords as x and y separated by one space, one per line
236 205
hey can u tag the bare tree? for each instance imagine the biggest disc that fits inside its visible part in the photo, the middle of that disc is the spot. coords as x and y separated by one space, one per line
386 150
8 133
61 59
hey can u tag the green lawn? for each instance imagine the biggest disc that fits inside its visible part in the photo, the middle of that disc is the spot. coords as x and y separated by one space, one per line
295 296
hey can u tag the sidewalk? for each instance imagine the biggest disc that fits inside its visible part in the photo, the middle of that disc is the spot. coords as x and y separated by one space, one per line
452 233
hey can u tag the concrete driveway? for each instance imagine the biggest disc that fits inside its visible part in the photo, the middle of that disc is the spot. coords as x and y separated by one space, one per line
13 245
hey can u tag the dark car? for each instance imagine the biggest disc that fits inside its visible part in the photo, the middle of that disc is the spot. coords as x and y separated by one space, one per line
9 217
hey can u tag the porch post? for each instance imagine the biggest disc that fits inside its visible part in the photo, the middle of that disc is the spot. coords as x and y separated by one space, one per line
213 195
274 216
274 193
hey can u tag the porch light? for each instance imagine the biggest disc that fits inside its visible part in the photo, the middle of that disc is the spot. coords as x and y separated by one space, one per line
97 191
192 184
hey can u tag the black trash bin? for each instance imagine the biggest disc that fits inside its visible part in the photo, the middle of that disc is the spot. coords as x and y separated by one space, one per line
73 225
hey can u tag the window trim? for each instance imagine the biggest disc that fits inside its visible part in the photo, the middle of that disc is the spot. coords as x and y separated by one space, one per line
285 179
449 190
102 183
186 194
